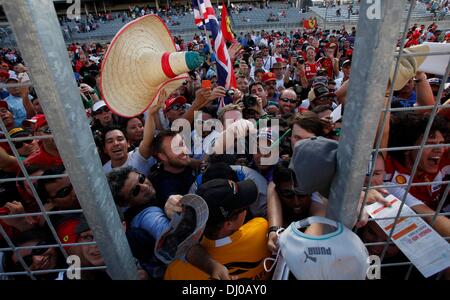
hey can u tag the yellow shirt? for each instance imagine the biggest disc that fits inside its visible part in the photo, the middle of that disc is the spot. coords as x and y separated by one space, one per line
243 254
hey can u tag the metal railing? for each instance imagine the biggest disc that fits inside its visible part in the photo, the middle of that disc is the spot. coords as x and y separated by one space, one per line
37 31
374 52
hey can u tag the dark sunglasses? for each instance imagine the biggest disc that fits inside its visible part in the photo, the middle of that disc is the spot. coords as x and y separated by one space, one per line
20 144
101 110
289 194
28 259
64 192
46 130
178 107
137 188
293 101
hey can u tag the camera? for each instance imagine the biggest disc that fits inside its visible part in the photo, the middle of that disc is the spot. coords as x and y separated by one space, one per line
229 93
249 101
301 60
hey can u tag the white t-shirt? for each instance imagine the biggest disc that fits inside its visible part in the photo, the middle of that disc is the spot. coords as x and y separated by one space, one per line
134 160
268 62
280 83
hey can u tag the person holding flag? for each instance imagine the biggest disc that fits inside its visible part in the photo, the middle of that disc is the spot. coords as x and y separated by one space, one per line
205 18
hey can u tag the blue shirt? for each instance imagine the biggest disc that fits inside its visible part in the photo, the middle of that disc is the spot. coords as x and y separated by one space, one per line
17 109
153 220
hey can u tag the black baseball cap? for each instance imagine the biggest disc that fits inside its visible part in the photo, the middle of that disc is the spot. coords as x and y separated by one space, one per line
226 196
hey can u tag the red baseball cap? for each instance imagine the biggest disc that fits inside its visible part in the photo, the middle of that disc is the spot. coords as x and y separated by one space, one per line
269 76
4 73
4 104
38 121
174 100
67 231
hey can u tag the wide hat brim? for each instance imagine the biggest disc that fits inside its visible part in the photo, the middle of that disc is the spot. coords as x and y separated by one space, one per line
124 88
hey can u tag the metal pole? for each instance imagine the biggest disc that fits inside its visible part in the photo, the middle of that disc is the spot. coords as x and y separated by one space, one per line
36 28
95 8
104 7
374 51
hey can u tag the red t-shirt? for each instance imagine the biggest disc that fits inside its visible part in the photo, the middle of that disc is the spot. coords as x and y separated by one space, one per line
327 64
43 159
311 70
429 194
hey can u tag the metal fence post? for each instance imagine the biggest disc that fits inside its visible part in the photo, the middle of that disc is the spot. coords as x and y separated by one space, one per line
39 36
374 52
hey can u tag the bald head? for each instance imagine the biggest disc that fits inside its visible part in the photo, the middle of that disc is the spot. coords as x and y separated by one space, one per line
288 101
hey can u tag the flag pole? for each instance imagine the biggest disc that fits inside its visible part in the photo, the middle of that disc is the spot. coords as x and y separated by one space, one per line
209 45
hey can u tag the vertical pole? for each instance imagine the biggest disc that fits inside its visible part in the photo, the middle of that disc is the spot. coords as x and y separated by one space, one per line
38 34
95 8
104 7
157 5
374 52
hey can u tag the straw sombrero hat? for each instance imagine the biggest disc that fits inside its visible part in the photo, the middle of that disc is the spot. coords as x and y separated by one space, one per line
141 62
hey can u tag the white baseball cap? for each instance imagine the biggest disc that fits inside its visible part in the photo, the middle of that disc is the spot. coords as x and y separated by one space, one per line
97 105
339 255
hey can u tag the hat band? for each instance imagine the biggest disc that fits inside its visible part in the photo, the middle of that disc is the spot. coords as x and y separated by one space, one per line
167 69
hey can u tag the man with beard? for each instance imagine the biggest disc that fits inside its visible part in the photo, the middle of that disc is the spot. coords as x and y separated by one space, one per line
175 174
146 222
270 82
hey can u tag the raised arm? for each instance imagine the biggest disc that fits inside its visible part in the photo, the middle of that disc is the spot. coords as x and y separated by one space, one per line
24 94
8 163
202 98
275 216
149 128
424 93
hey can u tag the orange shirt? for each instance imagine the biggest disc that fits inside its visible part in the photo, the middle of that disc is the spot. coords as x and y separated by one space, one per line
243 253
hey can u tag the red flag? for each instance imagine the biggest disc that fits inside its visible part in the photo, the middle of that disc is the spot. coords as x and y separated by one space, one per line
310 24
226 25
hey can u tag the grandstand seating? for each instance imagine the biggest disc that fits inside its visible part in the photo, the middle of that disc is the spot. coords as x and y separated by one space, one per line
256 18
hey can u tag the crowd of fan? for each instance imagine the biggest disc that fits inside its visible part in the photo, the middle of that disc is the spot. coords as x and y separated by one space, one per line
294 80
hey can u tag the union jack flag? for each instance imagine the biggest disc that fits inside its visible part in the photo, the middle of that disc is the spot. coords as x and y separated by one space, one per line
205 18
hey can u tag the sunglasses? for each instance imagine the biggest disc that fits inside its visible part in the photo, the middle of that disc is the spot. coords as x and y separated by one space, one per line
19 145
64 192
46 130
177 107
28 259
137 188
293 101
290 194
101 110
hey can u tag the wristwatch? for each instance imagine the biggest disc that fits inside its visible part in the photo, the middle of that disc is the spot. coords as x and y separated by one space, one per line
273 229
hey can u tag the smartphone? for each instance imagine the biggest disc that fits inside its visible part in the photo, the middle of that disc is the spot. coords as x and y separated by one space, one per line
206 84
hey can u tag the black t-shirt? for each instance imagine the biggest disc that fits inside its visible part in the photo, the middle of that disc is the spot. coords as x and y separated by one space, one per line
167 184
86 70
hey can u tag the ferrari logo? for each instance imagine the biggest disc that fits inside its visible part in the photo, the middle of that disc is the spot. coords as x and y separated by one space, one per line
400 179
